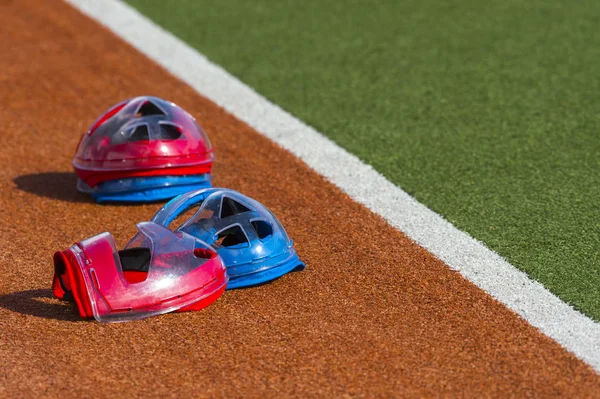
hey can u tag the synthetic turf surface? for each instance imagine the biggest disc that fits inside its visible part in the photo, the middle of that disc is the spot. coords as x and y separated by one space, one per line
486 112
373 314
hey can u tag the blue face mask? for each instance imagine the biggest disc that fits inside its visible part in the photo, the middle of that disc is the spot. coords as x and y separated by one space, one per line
252 243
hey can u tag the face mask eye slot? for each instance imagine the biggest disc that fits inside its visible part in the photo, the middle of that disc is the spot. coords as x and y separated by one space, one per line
232 237
135 263
263 229
140 133
168 131
185 215
230 207
148 108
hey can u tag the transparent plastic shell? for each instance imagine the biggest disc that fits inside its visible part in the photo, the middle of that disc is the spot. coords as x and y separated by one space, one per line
181 271
245 233
142 133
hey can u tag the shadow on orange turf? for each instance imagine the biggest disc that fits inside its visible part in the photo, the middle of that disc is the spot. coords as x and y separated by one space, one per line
56 185
40 303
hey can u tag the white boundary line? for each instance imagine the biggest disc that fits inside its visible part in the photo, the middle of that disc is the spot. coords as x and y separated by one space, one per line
472 259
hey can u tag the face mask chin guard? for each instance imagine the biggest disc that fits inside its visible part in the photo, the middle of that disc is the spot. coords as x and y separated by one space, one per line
143 149
252 243
158 272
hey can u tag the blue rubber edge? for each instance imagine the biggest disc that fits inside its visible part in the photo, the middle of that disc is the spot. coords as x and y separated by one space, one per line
152 189
265 276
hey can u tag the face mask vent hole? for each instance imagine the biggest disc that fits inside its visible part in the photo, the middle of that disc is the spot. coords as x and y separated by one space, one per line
186 215
232 237
204 253
230 207
148 108
140 133
263 229
168 132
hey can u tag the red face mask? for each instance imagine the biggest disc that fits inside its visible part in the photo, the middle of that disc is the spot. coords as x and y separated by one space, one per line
161 271
141 137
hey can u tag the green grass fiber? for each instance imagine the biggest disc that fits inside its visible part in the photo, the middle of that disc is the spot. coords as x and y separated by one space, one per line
488 112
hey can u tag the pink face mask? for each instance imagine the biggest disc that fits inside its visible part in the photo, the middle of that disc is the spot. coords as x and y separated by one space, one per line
160 272
140 137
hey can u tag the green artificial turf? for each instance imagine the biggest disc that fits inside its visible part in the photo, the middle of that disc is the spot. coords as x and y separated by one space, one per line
488 112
